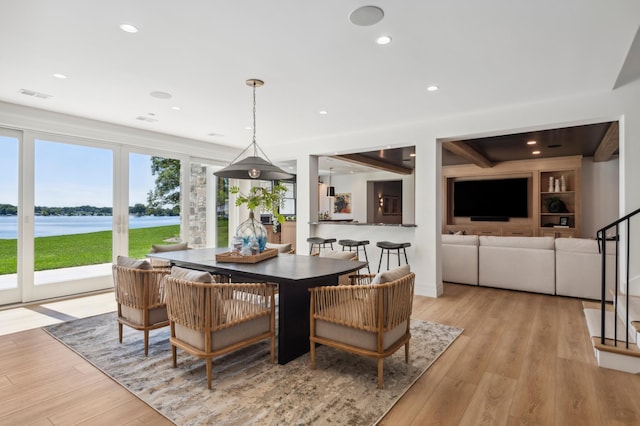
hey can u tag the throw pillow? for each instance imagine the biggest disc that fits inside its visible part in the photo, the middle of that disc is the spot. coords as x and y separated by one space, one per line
128 262
190 275
282 248
391 275
156 248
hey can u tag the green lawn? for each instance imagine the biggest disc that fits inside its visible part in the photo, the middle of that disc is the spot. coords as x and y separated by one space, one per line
64 251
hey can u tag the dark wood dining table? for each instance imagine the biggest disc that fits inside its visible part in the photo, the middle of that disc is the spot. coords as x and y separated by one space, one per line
294 274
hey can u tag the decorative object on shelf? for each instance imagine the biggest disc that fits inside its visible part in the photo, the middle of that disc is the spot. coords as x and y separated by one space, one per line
550 183
331 190
251 231
556 205
557 188
253 166
564 221
563 184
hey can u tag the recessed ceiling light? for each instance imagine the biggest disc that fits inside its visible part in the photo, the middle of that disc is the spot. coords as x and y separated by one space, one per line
536 152
388 146
432 88
531 142
61 76
351 171
175 108
366 15
128 28
248 128
161 95
383 40
323 112
290 167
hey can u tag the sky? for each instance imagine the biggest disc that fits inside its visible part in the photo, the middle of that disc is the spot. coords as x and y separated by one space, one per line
72 175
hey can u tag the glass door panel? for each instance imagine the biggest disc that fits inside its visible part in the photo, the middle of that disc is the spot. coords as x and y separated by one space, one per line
154 202
9 291
73 200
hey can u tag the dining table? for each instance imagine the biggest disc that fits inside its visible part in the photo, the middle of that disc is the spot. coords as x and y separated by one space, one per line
294 274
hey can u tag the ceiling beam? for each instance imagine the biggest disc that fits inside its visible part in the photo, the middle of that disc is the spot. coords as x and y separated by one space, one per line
608 145
465 151
375 163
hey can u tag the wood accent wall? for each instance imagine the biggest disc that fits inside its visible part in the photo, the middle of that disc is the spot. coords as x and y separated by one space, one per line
532 169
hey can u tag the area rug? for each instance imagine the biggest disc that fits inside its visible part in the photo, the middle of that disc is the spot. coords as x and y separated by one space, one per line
247 389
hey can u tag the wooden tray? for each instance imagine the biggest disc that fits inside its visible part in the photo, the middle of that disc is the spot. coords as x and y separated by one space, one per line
231 257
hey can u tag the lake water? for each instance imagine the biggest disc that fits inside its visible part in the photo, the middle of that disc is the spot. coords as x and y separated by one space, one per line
46 226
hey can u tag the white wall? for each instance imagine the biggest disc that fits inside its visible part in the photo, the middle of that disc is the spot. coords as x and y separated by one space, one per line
621 104
600 198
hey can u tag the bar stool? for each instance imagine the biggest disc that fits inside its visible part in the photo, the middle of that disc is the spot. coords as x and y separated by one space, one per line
388 246
357 245
319 241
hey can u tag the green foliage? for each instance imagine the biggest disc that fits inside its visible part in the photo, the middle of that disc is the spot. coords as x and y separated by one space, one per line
262 198
63 251
8 210
222 197
167 190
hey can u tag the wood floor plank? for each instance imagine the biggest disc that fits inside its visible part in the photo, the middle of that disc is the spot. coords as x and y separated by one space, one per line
491 401
575 392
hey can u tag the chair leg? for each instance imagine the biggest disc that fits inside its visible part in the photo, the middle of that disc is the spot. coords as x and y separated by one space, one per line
174 355
120 332
406 352
312 353
209 368
273 349
380 372
146 342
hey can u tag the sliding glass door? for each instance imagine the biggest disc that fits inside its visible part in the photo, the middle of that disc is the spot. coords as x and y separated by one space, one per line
9 160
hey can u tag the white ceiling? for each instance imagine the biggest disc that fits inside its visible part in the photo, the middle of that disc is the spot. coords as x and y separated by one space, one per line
482 54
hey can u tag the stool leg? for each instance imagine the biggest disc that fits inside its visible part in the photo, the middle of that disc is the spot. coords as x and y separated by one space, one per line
405 255
331 246
388 254
310 249
398 257
366 258
381 255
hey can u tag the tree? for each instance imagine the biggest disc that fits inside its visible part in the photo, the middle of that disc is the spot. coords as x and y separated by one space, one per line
138 209
223 198
167 190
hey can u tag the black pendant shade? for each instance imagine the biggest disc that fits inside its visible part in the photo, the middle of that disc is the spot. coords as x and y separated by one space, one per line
253 166
331 191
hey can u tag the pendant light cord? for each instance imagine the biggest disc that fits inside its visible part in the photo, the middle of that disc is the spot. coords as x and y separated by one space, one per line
255 146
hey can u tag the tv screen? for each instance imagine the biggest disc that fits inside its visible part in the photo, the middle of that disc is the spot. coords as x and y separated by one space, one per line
494 197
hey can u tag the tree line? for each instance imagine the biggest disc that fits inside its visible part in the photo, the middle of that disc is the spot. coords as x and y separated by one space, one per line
136 210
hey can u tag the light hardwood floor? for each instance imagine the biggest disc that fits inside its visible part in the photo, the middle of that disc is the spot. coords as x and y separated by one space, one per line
522 359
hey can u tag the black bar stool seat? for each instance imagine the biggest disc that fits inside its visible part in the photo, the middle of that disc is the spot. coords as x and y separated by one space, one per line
318 242
357 244
388 246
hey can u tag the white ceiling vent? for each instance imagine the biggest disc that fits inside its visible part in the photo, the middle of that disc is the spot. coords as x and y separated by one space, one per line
35 94
147 119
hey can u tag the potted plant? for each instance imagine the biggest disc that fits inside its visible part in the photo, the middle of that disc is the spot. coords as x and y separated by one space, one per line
267 200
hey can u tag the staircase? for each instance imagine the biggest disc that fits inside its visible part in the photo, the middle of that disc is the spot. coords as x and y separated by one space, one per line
615 329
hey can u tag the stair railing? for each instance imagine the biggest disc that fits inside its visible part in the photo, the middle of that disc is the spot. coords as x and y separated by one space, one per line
602 246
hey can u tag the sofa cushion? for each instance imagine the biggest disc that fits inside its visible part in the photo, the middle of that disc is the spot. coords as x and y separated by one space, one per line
128 262
190 275
463 240
391 275
582 245
157 248
538 243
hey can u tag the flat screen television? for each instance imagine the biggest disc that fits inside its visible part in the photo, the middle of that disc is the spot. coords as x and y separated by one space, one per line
487 198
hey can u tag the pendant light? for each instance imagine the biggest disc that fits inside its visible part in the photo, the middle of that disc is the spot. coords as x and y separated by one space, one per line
331 191
253 166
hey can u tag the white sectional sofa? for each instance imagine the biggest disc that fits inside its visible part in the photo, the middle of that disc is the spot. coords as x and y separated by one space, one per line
579 268
563 266
460 259
518 263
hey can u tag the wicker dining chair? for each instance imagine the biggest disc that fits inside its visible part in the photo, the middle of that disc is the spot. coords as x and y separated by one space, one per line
139 292
208 320
341 255
372 320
